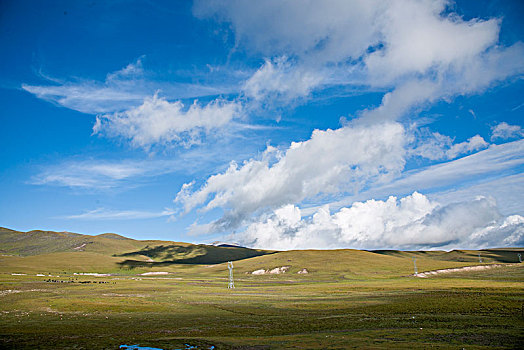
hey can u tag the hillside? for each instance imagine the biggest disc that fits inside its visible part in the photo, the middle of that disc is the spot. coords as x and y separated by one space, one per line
112 250
498 255
36 251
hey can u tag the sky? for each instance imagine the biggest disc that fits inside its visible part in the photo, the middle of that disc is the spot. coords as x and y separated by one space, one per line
273 124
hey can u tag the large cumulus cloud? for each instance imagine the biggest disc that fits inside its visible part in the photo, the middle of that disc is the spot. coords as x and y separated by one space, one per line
417 52
330 162
412 222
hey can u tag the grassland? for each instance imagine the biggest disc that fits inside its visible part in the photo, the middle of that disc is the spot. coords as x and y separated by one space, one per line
349 299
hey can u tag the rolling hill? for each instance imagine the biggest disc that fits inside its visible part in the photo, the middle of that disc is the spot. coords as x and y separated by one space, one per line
497 255
36 251
109 250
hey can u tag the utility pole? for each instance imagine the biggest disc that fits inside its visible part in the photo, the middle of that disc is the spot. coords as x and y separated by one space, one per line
231 282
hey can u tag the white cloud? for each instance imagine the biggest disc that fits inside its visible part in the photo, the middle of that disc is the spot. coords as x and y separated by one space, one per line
494 162
362 162
105 214
436 146
87 174
120 90
506 189
504 131
280 80
474 143
489 172
333 30
100 174
327 165
413 222
87 97
489 162
431 145
158 121
415 92
420 50
417 37
331 161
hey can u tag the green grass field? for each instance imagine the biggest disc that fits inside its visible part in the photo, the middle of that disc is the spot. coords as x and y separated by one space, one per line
349 299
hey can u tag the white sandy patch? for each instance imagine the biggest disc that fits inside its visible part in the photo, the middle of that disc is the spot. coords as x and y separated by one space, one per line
95 274
279 270
12 291
154 273
303 271
275 271
8 291
18 274
125 295
457 269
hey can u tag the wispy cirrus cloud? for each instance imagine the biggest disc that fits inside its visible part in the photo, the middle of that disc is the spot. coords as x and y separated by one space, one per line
506 189
100 174
490 162
118 91
488 172
105 174
128 106
121 90
107 214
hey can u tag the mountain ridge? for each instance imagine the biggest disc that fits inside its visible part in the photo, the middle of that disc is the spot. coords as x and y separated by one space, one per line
135 253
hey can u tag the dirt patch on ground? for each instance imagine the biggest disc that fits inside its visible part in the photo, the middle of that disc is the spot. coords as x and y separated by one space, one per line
457 269
9 291
13 291
275 271
125 295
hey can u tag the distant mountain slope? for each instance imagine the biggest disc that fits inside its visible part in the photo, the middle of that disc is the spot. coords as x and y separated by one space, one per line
131 253
47 251
113 236
499 255
339 264
162 255
37 242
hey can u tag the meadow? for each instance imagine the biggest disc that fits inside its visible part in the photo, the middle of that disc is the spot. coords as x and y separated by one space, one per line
348 299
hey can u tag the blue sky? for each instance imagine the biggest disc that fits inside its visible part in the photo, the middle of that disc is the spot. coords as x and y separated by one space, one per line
280 124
